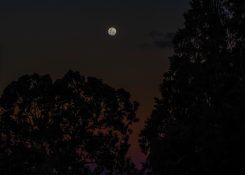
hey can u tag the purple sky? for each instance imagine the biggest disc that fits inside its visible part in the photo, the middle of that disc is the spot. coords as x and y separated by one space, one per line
53 36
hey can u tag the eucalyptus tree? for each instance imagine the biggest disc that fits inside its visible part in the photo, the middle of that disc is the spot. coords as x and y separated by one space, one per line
74 125
197 125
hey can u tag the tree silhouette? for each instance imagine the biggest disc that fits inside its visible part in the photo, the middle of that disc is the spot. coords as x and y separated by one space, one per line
75 125
198 125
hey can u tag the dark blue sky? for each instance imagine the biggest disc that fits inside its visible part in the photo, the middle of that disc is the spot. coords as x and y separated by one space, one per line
51 37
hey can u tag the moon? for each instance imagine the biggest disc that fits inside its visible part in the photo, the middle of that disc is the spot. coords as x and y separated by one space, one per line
112 31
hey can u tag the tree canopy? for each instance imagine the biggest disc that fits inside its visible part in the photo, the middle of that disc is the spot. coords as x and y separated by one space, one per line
74 125
198 125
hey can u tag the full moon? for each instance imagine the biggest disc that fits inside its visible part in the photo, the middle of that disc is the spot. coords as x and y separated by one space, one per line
112 31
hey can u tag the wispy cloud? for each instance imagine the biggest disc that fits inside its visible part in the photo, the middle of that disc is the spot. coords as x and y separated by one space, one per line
158 40
162 40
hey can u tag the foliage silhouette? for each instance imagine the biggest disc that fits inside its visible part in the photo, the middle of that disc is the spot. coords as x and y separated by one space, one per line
198 125
75 125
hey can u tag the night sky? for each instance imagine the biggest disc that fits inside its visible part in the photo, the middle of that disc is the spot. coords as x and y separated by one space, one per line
53 36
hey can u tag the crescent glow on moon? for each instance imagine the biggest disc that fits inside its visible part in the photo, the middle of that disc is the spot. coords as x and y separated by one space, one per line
112 31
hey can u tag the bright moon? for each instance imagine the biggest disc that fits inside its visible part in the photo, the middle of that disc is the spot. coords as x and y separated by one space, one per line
112 31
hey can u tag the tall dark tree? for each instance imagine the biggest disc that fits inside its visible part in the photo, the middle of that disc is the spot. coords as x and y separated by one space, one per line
75 125
198 125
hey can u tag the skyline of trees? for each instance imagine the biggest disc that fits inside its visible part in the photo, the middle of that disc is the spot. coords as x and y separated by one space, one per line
80 125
